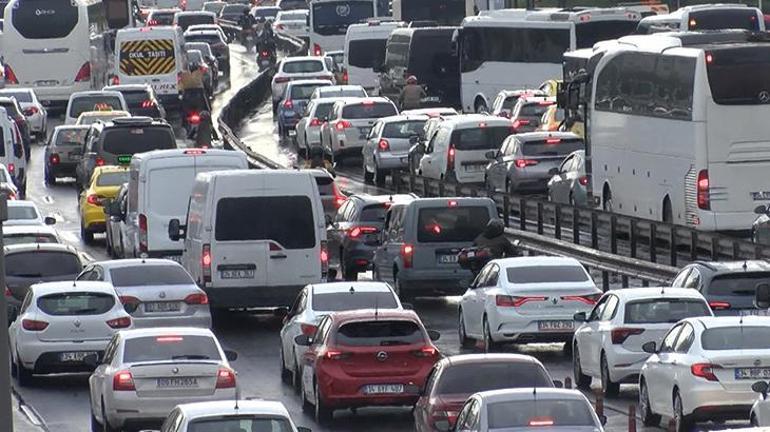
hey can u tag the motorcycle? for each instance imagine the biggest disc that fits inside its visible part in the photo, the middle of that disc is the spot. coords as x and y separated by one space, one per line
474 259
190 122
265 59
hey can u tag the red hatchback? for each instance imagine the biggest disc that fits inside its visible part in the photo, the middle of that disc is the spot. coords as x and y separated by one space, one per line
365 358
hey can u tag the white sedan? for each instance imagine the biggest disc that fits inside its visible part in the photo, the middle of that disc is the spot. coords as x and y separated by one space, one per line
525 299
145 373
608 343
33 110
704 370
21 212
292 23
318 300
297 68
248 415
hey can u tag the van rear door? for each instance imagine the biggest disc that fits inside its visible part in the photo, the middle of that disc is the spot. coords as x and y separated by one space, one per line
144 58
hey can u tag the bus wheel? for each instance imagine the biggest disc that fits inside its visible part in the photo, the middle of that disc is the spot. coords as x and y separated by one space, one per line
480 106
668 214
607 199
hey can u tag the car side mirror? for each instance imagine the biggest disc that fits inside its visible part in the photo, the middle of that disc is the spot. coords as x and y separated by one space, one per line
650 347
175 230
491 155
580 317
303 340
762 296
760 209
91 360
49 220
760 387
434 335
231 355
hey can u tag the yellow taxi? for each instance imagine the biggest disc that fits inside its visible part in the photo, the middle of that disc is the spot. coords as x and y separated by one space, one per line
104 185
553 120
90 117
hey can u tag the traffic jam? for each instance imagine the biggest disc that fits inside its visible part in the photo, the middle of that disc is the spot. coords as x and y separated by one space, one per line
154 282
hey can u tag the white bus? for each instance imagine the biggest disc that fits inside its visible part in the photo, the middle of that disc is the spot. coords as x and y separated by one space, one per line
328 22
705 17
59 47
678 128
515 48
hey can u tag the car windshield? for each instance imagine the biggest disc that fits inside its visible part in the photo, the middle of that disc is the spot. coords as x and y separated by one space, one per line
303 91
552 147
451 224
215 7
22 213
540 413
404 129
170 347
37 264
665 310
82 104
743 337
546 274
12 239
71 137
480 138
466 379
150 275
21 96
116 178
240 423
129 141
76 303
368 110
352 300
303 66
380 333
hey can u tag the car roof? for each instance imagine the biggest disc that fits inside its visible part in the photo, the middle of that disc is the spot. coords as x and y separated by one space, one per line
16 90
534 99
109 169
535 261
464 359
200 31
306 81
446 202
473 120
733 266
346 287
656 293
45 247
372 314
524 394
540 136
134 262
401 117
68 286
331 100
227 407
197 12
731 321
165 331
382 199
341 87
105 113
301 58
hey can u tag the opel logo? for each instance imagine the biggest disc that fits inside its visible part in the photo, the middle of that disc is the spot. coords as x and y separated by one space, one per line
764 96
162 294
382 356
757 362
77 323
175 371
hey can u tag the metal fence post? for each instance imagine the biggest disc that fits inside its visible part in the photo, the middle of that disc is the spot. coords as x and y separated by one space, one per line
6 409
575 225
672 243
605 281
715 248
653 242
594 236
614 234
693 245
539 217
522 214
507 210
632 238
557 221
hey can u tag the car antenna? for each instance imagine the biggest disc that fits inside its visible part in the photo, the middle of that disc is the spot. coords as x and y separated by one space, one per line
352 290
376 307
237 396
745 265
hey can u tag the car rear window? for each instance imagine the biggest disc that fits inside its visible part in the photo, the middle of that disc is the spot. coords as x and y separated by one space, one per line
22 213
404 129
240 423
303 66
466 379
170 347
150 275
35 264
325 186
343 301
543 412
322 110
162 18
480 138
12 239
82 104
366 53
21 96
129 141
735 338
289 222
71 137
535 110
737 284
374 213
380 333
134 98
76 303
546 274
656 311
294 4
207 38
348 92
185 21
303 91
451 224
368 110
552 147
112 178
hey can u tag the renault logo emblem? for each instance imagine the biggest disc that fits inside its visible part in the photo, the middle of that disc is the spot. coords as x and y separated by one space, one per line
162 294
382 356
175 371
764 96
757 362
77 323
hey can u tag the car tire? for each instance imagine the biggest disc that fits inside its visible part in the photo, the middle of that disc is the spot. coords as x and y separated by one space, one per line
323 414
490 345
106 425
465 341
582 381
649 418
347 274
87 236
683 423
380 176
368 176
306 405
296 376
754 422
95 425
609 388
23 376
398 288
50 179
285 372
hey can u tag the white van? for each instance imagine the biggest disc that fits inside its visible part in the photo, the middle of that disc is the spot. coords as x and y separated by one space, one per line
159 189
365 50
12 152
254 238
152 56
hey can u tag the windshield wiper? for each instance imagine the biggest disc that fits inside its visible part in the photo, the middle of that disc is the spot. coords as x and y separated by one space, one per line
27 275
190 357
85 311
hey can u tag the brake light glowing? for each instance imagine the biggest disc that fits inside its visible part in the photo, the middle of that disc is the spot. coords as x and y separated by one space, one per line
11 168
129 300
521 163
317 49
31 111
225 378
589 299
407 253
709 58
719 305
704 200
336 355
342 125
315 122
426 351
99 161
148 103
143 233
169 339
123 381
194 118
514 301
542 421
345 77
279 80
450 160
54 159
308 329
206 263
195 152
705 370
583 181
10 75
339 198
384 145
288 104
84 74
119 323
94 200
451 203
519 123
324 257
356 232
553 141
33 325
619 335
693 23
197 299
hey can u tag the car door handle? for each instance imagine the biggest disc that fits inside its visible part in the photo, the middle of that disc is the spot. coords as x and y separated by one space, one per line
278 256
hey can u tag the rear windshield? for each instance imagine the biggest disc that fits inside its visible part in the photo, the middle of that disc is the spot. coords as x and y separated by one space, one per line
405 129
303 91
266 12
289 222
526 413
751 63
451 224
466 379
546 274
533 110
374 213
234 9
303 66
21 97
162 18
207 38
737 284
658 311
22 213
42 264
82 104
735 338
431 58
368 110
555 147
347 92
134 98
366 53
45 19
129 141
717 19
325 185
480 138
194 56
323 110
185 21
150 275
292 16
160 348
343 301
215 7
12 239
200 46
112 178
76 303
240 423
380 333
294 4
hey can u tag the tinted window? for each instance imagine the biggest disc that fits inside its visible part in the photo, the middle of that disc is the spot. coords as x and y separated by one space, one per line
512 45
404 129
431 57
482 376
751 64
150 275
334 302
266 12
724 19
293 4
12 239
172 347
368 110
22 213
380 333
589 33
212 39
112 178
330 18
515 414
185 21
42 264
239 423
57 20
76 303
544 148
735 338
546 274
303 91
664 310
303 66
366 53
445 12
128 141
451 224
480 138
737 284
289 222
373 213
234 9
200 46
82 104
21 97
134 99
533 111
213 7
323 110
510 102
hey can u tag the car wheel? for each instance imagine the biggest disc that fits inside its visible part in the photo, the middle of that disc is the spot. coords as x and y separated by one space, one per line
306 405
95 425
323 414
296 376
609 388
87 236
489 344
582 380
649 418
754 421
285 372
398 288
106 425
465 341
379 177
368 176
50 179
347 274
23 375
682 422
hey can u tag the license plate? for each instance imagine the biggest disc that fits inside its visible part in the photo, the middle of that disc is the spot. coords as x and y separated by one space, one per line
447 259
431 99
363 132
175 258
77 356
752 373
555 325
474 168
47 83
383 388
237 274
162 307
292 132
755 312
177 382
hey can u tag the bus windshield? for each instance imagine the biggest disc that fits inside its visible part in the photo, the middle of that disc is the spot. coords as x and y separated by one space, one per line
45 19
332 18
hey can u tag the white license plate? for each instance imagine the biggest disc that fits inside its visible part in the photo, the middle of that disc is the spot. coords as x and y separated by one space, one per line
162 307
752 373
47 83
237 274
447 259
177 382
430 99
292 132
383 388
555 325
77 356
474 168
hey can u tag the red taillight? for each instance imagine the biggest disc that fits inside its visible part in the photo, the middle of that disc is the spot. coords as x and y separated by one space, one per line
279 26
589 299
450 158
194 152
8 292
324 257
115 80
339 197
288 104
709 56
705 370
152 22
336 355
519 123
308 329
719 305
206 263
358 231
345 77
31 111
194 118
33 325
11 168
384 145
514 301
521 163
148 103
426 351
123 381
704 200
119 323
10 75
94 200
279 80
407 253
315 122
99 161
84 74
553 141
225 379
540 421
197 299
264 54
317 49
619 335
129 300
451 203
583 181
142 233
54 159
342 125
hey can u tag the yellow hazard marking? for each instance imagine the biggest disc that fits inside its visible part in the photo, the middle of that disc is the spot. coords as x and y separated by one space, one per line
147 57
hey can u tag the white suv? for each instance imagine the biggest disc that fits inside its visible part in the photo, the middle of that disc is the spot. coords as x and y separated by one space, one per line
350 122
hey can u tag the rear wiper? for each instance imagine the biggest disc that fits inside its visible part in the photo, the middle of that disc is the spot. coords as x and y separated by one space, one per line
393 342
190 357
27 275
85 311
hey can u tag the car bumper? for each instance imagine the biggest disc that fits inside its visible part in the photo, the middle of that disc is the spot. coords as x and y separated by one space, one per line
253 297
710 400
128 409
529 184
288 119
392 161
345 392
43 357
63 169
508 325
358 256
435 282
341 143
